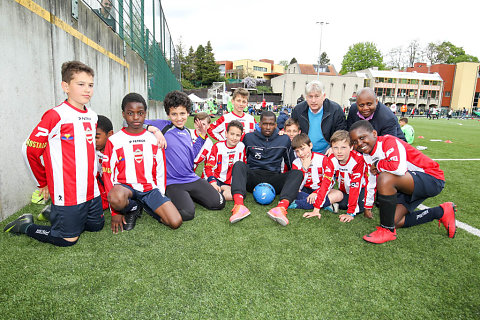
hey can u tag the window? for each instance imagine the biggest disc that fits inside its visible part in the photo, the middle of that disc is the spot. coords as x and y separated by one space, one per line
262 69
447 93
293 85
403 81
239 68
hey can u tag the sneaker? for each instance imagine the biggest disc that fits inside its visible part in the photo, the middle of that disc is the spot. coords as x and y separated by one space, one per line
37 197
332 208
19 225
293 205
239 212
278 214
45 214
131 218
448 218
381 235
336 207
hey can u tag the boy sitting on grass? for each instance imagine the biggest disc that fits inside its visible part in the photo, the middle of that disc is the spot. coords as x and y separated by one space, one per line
218 129
349 169
134 171
183 185
201 119
104 131
405 177
61 155
224 154
317 172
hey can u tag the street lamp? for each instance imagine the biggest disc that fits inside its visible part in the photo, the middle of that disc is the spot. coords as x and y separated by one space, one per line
320 50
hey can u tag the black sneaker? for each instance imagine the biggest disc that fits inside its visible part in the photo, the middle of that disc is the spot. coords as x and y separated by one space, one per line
45 214
19 225
131 218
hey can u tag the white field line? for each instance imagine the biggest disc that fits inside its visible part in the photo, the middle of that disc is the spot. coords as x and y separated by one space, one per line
455 159
459 224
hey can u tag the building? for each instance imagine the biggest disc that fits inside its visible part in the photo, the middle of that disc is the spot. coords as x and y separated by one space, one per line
312 69
340 89
240 69
415 89
461 83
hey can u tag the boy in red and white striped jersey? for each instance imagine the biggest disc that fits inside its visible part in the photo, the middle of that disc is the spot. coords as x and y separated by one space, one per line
60 153
405 177
222 157
202 156
134 170
218 129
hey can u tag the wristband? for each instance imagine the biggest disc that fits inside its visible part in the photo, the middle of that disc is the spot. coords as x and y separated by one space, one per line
211 178
351 215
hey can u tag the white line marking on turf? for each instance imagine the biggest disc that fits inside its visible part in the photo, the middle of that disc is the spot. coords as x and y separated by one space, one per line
455 159
460 224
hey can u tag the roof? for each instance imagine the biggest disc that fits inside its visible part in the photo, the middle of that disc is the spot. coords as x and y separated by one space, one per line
310 69
402 75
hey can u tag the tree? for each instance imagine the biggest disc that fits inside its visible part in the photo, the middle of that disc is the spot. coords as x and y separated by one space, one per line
293 60
446 52
200 69
362 55
396 58
414 53
284 63
324 60
188 69
212 72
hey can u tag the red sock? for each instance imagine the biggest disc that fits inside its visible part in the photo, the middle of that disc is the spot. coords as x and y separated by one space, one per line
238 198
284 204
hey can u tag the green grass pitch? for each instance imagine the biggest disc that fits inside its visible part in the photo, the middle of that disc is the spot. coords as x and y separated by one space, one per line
256 269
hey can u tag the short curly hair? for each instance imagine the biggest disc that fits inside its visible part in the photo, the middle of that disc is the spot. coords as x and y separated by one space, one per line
175 99
133 97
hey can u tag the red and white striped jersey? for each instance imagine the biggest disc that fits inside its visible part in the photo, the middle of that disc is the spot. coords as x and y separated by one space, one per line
134 160
218 129
204 152
313 175
65 139
220 162
396 156
351 178
99 162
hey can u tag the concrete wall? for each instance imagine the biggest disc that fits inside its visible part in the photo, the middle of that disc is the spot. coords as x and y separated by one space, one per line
464 85
33 50
337 88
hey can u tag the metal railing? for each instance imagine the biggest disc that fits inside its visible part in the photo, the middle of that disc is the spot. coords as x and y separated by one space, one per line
142 25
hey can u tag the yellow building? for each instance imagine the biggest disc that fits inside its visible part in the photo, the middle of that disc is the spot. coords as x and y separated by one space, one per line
464 84
259 69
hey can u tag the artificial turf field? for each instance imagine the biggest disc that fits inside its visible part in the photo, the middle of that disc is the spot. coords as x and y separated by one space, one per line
257 269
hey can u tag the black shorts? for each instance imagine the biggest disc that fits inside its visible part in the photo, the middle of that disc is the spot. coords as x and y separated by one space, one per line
425 186
70 221
221 183
153 199
343 205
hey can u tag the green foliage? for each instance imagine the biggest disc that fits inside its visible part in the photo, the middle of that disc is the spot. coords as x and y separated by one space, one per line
187 84
293 60
284 63
324 59
264 89
360 56
446 52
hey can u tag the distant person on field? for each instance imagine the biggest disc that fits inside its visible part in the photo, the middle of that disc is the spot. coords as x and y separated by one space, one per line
218 129
407 130
60 153
282 117
318 116
403 110
405 177
369 108
105 13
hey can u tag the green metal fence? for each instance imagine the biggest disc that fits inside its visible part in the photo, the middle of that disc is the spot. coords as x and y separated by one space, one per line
142 25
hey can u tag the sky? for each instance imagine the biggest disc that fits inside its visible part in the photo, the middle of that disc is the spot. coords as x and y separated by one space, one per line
280 30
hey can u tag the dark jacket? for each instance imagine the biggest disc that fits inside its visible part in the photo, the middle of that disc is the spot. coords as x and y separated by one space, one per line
333 118
383 121
267 153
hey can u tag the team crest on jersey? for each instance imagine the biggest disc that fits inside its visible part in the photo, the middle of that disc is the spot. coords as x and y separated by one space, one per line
89 135
138 155
258 155
67 137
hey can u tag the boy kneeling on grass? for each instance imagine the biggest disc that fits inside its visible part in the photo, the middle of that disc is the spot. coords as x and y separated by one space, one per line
134 171
405 177
224 154
349 169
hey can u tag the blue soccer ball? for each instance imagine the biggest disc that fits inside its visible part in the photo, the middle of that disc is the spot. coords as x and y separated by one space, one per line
264 193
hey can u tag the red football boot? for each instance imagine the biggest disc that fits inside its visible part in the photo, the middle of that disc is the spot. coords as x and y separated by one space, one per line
381 235
448 218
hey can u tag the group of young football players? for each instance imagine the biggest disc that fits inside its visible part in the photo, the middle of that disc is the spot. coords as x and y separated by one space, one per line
84 167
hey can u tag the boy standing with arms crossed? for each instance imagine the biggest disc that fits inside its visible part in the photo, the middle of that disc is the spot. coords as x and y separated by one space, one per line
65 138
218 129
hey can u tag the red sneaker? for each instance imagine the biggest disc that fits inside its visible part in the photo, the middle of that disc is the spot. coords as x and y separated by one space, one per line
239 212
381 235
448 218
278 214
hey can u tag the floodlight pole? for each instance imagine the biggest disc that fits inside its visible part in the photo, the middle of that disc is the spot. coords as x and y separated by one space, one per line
320 49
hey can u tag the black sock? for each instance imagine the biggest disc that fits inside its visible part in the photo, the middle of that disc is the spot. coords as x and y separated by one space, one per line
131 206
42 234
422 216
387 206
